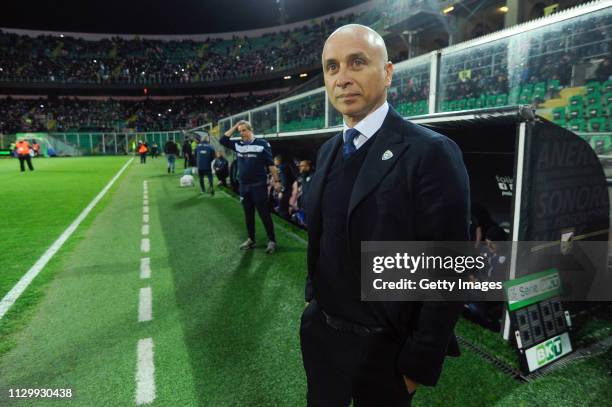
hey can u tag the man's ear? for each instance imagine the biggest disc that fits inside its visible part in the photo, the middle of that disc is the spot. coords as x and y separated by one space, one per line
388 73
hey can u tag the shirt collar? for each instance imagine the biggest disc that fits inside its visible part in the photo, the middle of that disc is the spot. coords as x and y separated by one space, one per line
371 123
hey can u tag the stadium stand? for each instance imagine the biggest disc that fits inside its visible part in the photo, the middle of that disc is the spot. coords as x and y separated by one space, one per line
77 114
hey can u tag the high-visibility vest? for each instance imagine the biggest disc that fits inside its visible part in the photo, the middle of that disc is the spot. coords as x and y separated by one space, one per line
23 148
143 149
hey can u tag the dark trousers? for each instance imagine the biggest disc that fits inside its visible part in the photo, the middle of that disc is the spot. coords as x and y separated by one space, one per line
255 197
342 366
222 175
208 174
143 158
25 158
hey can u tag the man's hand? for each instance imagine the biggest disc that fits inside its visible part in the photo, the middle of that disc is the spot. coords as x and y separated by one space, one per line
233 129
410 385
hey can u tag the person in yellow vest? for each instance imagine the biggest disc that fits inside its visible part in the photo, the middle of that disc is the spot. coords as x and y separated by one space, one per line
23 149
142 150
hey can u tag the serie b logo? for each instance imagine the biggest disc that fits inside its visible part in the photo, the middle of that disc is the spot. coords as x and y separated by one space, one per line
549 350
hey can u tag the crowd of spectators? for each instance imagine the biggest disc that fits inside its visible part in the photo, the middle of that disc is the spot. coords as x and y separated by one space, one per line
55 59
74 114
549 53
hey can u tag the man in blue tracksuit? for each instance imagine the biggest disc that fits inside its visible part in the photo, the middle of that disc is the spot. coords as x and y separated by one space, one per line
253 156
205 155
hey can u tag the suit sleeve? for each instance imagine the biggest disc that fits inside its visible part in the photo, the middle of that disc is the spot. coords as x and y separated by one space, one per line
443 200
227 143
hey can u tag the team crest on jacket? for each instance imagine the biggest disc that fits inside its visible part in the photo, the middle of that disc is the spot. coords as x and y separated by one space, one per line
388 154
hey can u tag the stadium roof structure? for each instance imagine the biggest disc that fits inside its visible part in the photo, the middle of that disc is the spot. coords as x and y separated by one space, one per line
163 17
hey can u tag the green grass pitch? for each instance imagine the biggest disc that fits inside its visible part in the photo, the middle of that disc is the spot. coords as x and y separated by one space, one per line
225 322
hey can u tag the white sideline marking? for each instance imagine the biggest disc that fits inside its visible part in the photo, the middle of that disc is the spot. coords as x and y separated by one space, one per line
145 268
145 245
145 201
145 373
23 283
145 218
145 209
145 230
145 305
291 234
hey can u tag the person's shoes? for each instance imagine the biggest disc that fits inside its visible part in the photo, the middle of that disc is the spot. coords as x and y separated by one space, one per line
168 170
247 245
271 247
212 192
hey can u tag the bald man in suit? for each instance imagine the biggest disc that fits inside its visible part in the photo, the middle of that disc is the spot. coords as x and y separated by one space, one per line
382 179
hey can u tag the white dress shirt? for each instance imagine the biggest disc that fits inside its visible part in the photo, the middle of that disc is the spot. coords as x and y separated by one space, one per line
368 126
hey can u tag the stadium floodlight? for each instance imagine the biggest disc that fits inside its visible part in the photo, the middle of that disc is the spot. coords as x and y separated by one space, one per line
95 61
159 114
504 9
211 102
61 35
287 77
448 9
169 110
303 75
271 68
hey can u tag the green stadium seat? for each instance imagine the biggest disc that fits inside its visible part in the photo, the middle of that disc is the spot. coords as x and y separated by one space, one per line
575 112
594 110
514 95
481 102
462 104
593 98
526 95
607 99
559 113
445 106
554 85
576 100
607 86
471 103
491 100
592 87
421 107
597 124
560 122
452 105
501 100
578 125
539 88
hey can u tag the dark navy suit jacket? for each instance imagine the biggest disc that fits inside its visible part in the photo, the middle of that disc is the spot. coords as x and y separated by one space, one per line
420 193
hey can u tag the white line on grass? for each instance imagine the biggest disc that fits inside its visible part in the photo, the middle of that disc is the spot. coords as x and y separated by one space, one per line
291 234
145 245
145 230
12 296
145 373
145 218
145 201
145 305
145 268
145 209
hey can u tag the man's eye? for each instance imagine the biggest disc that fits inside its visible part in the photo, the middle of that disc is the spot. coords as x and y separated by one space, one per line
331 67
358 62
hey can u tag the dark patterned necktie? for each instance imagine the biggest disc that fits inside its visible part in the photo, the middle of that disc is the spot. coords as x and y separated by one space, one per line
349 146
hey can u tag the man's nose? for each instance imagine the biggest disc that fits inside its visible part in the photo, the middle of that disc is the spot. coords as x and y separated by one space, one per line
343 79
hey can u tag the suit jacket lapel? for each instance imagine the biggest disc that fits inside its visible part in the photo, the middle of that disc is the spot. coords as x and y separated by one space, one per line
318 182
389 138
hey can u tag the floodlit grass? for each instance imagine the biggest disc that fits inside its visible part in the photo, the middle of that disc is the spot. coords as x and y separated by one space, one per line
225 322
36 207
